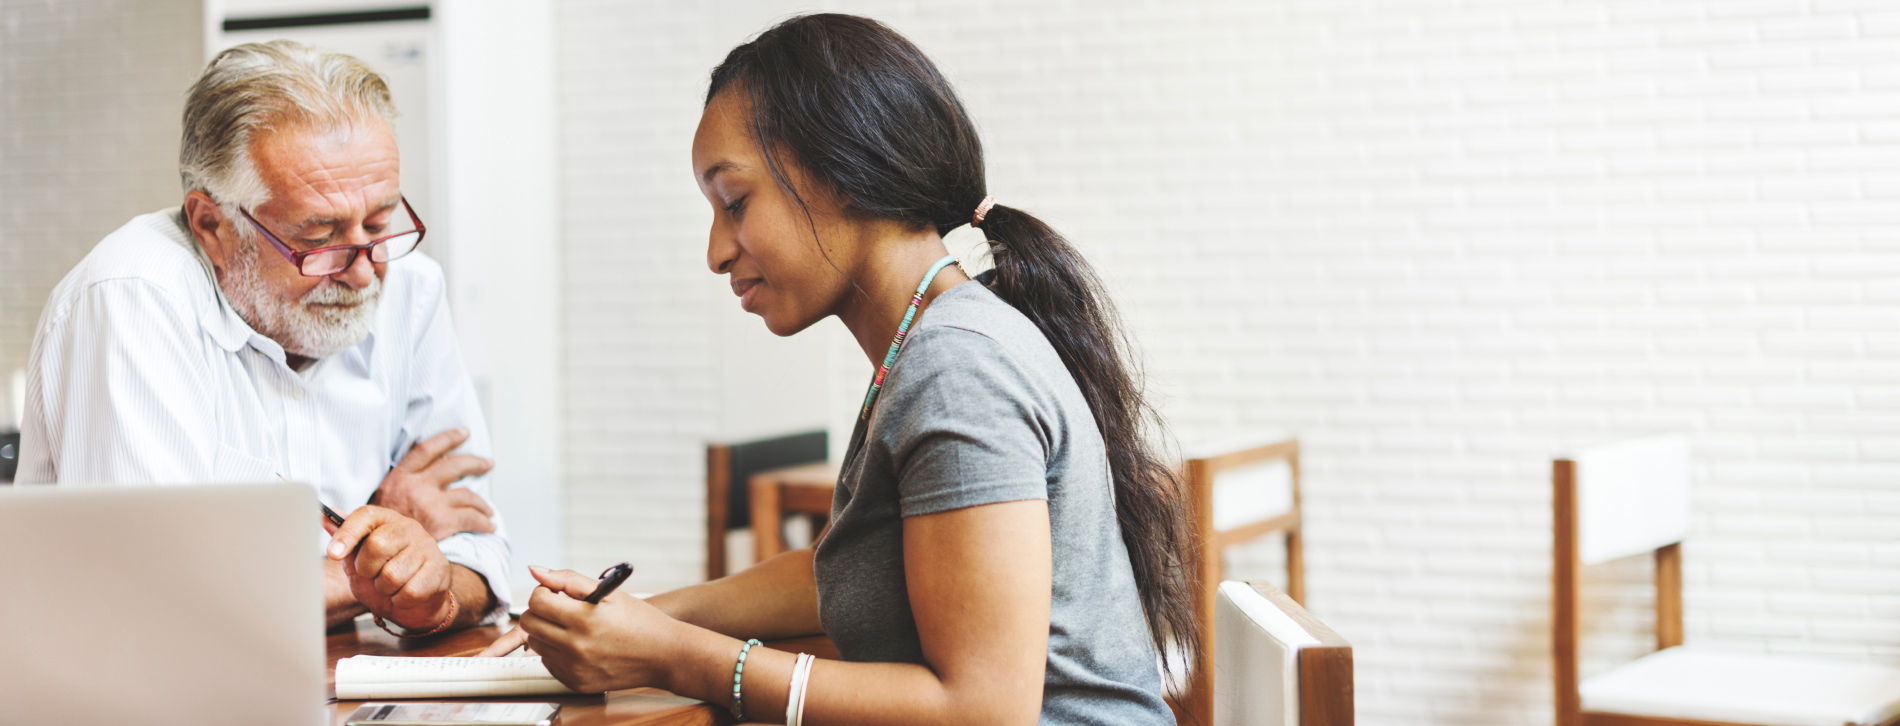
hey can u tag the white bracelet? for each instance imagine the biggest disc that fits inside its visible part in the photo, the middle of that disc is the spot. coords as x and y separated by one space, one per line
791 691
795 694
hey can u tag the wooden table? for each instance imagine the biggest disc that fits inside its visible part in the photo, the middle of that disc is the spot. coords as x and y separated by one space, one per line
642 706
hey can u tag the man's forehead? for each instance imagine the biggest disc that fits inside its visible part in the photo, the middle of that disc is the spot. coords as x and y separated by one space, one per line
327 217
329 175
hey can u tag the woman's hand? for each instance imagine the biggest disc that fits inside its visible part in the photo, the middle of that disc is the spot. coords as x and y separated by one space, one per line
623 642
505 644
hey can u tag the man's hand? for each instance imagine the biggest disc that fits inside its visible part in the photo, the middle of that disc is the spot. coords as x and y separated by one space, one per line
394 567
419 487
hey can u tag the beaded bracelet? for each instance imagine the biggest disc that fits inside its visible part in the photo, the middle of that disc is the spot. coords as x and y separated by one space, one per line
439 627
738 670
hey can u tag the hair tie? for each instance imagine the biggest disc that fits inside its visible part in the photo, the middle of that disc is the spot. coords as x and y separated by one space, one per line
982 209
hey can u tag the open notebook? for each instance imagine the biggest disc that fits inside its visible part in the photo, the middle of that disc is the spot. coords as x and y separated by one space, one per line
365 677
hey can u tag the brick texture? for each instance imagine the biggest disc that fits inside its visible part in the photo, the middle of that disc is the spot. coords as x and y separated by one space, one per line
90 95
1443 240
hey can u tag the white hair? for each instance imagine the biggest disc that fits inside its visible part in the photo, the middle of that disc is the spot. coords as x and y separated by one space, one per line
325 320
261 86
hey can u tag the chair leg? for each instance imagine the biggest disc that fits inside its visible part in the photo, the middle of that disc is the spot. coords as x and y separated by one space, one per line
1565 580
1295 566
718 479
1669 596
768 537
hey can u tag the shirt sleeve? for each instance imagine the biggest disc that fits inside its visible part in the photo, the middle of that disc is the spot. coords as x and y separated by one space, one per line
964 425
115 391
444 398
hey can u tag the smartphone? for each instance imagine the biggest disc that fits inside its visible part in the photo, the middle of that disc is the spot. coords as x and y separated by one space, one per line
444 712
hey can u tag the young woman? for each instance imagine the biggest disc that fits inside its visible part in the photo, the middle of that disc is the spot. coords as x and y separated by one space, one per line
1004 545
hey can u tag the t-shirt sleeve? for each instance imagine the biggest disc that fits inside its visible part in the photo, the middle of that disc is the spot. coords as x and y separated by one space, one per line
963 425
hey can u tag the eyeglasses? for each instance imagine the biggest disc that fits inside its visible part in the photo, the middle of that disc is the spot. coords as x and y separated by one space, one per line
331 260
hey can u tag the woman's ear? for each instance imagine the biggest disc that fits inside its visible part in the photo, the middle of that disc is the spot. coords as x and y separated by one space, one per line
204 217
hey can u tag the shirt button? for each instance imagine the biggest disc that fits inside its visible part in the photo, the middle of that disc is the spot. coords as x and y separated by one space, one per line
296 393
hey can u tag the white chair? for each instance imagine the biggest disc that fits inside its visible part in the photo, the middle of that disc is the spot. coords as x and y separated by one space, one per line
1632 497
1277 665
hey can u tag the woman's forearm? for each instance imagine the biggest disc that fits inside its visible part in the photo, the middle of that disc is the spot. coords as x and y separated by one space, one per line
777 598
838 692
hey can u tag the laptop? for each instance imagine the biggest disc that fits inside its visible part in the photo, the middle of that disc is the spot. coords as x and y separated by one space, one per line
161 605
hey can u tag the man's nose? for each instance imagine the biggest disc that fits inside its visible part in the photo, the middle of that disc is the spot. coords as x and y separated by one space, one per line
359 274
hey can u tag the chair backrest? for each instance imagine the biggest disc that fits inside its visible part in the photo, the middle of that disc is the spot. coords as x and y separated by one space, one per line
1244 488
9 455
729 468
1253 479
1611 501
1241 489
1632 496
1276 664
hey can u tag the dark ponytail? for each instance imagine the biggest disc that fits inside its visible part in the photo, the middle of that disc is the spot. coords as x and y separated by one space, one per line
864 112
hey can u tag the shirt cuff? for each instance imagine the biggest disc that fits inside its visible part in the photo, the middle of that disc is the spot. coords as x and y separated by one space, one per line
487 555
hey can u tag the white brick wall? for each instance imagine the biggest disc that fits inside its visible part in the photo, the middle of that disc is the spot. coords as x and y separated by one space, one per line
90 95
1442 239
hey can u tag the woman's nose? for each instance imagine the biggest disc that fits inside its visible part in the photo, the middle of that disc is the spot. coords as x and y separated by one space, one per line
721 252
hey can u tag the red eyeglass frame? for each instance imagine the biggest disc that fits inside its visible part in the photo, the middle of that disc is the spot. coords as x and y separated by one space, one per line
296 258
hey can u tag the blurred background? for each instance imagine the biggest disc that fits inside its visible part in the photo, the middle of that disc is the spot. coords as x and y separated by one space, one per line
1440 241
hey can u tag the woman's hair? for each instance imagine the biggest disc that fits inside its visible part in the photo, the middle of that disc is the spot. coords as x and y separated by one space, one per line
863 113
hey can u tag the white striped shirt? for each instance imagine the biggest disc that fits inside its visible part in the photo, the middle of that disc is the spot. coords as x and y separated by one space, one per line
142 373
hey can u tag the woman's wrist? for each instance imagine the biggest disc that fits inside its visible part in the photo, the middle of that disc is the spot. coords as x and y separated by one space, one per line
703 662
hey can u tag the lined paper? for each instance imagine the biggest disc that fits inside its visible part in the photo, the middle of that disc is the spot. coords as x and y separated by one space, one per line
365 677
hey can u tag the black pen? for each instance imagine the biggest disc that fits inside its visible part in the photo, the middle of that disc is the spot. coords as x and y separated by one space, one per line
609 580
328 513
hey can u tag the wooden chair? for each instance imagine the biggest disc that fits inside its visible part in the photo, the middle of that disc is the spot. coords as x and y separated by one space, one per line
1632 497
729 472
804 489
1278 665
1242 490
9 455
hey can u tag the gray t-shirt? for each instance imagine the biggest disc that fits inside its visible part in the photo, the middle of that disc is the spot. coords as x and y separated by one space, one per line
977 410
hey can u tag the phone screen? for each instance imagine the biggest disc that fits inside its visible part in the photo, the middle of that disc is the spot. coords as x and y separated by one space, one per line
396 714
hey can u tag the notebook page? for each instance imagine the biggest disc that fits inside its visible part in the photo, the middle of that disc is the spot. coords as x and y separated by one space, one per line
367 676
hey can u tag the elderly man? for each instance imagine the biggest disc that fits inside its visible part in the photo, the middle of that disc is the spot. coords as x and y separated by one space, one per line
280 325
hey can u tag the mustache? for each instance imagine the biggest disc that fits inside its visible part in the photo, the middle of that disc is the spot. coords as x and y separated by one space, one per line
331 292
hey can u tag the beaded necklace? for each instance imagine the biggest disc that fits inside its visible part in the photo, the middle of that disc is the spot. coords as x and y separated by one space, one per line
870 396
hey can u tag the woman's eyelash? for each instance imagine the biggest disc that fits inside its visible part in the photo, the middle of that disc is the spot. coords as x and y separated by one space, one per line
735 206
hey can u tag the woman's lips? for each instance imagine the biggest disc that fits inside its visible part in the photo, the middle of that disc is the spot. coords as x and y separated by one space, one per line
746 290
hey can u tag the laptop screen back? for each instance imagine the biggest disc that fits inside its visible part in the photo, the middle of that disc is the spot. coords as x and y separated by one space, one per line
161 604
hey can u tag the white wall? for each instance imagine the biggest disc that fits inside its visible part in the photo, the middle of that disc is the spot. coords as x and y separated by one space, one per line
498 160
658 359
1443 240
90 99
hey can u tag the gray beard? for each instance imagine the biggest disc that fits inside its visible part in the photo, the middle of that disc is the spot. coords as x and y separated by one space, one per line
328 319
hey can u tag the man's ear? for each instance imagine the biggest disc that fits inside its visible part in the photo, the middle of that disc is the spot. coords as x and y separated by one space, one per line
204 217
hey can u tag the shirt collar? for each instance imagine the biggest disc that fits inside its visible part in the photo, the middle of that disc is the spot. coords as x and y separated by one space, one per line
226 327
